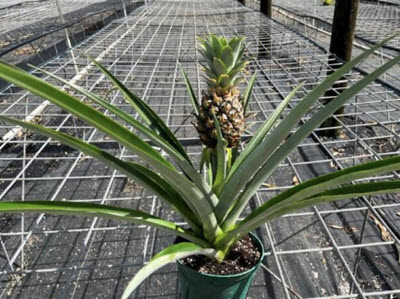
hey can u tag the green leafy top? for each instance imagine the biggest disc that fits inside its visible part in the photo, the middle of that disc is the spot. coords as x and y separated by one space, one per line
224 61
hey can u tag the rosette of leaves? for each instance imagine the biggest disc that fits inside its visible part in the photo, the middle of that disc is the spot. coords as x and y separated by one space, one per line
210 208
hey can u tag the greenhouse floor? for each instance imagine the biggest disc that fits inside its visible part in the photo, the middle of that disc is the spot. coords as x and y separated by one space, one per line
345 250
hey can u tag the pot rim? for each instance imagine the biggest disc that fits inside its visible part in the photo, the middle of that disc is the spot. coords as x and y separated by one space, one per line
260 247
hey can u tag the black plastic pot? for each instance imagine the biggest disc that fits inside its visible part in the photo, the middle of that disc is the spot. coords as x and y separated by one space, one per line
196 285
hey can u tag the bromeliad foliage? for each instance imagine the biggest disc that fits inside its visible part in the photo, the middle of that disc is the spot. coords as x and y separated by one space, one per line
211 206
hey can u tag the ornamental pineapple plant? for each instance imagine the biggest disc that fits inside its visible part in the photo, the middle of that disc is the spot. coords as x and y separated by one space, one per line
210 204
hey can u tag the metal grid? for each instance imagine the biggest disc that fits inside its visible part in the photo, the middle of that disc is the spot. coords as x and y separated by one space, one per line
314 20
25 14
37 47
21 21
347 250
373 20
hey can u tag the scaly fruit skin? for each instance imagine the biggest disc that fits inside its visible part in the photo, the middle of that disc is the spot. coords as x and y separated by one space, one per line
229 112
223 72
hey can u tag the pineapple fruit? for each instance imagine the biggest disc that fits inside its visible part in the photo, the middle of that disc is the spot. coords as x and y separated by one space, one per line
222 100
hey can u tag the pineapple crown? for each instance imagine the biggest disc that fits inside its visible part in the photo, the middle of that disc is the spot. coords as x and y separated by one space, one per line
224 61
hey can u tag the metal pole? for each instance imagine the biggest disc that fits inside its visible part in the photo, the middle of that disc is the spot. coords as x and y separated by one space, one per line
266 7
265 46
343 28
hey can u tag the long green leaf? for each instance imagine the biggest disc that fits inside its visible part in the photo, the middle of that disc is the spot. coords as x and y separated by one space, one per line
97 210
188 190
183 163
265 128
266 170
159 141
147 114
249 167
145 176
247 92
224 206
269 124
324 182
190 90
221 158
346 192
81 110
208 163
166 256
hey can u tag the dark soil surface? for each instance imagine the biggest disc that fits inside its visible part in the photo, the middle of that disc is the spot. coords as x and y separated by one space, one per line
242 257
